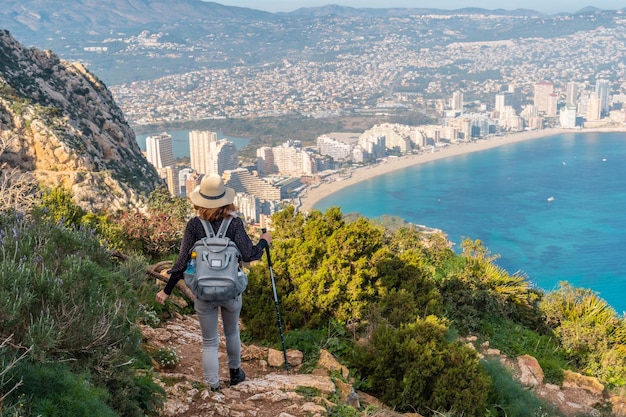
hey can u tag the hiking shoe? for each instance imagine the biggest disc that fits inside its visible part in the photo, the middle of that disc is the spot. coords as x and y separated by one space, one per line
237 376
215 389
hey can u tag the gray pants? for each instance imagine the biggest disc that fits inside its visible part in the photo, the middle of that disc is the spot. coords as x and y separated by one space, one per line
207 315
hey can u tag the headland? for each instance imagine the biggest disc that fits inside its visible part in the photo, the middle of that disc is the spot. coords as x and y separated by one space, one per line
335 183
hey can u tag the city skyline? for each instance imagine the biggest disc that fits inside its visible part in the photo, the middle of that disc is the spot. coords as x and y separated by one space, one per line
553 7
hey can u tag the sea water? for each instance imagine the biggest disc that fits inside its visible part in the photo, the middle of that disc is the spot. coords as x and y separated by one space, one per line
553 209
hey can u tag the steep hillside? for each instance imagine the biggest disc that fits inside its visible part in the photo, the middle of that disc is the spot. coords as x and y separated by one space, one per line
60 123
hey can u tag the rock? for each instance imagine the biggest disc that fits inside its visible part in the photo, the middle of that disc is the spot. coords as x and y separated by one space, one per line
531 372
576 380
327 361
253 352
618 405
276 358
71 132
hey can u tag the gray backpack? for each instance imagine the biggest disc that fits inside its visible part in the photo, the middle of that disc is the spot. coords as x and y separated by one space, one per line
218 276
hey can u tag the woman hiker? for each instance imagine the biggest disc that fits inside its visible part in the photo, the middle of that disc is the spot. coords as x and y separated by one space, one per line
213 202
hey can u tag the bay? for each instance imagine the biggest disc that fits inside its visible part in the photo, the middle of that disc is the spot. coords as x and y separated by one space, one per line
180 141
551 208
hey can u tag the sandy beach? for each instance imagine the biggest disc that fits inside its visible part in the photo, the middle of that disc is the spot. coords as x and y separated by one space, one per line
311 196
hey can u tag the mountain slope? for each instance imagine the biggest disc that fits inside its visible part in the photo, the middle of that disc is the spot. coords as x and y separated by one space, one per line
60 123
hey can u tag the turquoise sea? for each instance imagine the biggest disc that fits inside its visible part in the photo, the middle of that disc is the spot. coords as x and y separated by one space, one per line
553 208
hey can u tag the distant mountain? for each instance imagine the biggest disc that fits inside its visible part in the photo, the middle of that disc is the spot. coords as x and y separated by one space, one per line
133 40
26 17
334 10
59 123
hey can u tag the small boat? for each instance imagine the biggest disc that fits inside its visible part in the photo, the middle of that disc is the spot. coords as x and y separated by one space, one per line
550 198
603 159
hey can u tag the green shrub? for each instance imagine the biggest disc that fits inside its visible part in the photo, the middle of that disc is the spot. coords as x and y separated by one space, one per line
514 340
509 398
66 300
414 368
167 357
589 330
52 390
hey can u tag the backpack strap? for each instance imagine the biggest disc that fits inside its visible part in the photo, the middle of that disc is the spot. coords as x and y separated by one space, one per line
208 229
224 227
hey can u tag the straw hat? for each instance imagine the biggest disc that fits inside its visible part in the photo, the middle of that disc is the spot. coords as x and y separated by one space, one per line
212 193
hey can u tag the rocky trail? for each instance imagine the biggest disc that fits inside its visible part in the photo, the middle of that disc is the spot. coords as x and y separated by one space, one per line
270 390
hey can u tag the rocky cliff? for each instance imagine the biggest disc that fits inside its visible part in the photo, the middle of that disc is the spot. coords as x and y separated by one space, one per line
60 123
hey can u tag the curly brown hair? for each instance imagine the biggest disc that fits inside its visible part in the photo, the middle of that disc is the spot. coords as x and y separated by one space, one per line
218 213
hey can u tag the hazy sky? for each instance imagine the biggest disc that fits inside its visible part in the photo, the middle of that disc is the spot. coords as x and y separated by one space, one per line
546 6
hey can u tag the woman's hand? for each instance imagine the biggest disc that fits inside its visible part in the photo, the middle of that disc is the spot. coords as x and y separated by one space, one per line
161 297
267 236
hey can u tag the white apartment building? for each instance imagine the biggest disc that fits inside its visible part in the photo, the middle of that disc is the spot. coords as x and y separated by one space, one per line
509 120
543 98
594 108
503 100
170 175
242 181
223 157
457 101
159 151
397 137
339 151
209 155
183 175
265 161
567 117
287 159
200 150
247 206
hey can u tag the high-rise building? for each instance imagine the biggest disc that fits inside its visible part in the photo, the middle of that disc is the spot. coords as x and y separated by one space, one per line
457 101
553 101
159 151
192 181
503 100
516 93
339 151
571 95
594 108
170 175
183 174
209 155
223 157
265 161
242 181
543 99
200 150
602 91
567 117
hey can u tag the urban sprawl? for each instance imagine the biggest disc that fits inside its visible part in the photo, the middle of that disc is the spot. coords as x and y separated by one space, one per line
475 90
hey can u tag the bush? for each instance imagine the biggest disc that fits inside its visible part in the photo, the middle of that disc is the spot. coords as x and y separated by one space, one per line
52 390
66 300
414 368
591 333
509 398
167 357
514 340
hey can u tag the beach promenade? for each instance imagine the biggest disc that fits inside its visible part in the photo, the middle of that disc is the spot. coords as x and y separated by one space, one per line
313 195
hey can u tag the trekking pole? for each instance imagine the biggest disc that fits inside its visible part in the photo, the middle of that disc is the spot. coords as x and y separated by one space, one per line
280 321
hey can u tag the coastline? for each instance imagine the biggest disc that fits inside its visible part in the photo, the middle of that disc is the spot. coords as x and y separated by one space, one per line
312 196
